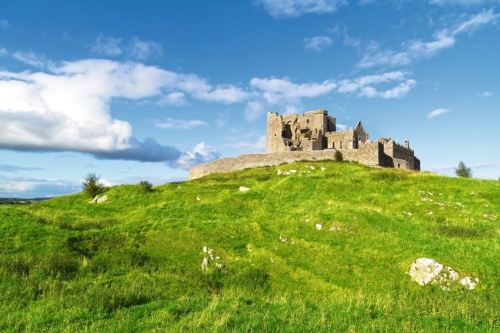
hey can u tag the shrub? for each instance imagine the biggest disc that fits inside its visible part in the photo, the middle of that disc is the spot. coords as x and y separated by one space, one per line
146 187
463 171
92 186
338 156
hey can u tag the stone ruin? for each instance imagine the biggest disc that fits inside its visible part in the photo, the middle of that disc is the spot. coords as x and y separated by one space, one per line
314 136
317 131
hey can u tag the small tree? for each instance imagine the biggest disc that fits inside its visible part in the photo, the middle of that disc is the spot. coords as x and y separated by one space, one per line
338 156
463 171
91 185
146 187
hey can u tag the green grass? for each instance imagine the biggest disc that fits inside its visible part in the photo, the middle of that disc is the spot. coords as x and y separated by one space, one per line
133 263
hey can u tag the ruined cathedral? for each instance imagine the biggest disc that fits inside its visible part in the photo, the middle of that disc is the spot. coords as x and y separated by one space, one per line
317 131
313 136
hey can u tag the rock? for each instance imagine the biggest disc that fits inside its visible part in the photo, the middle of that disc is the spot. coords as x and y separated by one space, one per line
205 249
307 220
198 198
425 270
95 199
244 189
318 226
204 264
104 198
469 282
279 172
219 266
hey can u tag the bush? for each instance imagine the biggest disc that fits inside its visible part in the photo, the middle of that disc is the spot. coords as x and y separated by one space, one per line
463 171
92 186
338 156
146 187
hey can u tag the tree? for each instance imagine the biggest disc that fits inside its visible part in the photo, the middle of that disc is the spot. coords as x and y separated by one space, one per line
463 171
146 187
338 156
91 185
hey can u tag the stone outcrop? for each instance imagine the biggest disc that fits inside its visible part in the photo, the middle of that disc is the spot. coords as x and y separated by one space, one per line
428 271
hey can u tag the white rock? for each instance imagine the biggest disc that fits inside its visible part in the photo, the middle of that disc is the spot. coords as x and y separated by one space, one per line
218 258
425 270
244 189
318 226
279 172
312 168
307 220
469 282
204 263
205 249
198 198
102 199
219 266
293 171
323 169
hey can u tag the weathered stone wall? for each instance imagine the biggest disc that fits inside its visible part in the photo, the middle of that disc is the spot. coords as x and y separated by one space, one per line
274 129
368 155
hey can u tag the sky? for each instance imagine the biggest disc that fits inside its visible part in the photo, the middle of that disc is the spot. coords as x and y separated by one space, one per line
144 90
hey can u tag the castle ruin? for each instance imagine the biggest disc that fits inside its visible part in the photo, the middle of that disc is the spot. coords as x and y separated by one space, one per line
316 130
314 136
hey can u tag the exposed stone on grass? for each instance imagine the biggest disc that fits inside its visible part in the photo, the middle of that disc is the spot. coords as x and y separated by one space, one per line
318 226
198 198
244 189
219 265
407 213
99 200
204 264
428 271
469 283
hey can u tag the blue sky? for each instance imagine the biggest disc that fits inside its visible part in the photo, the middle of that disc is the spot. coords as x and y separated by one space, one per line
145 90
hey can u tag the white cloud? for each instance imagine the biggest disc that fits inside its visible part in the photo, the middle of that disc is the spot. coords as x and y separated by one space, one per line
317 43
68 107
460 2
108 46
437 112
254 109
175 98
29 58
476 21
27 187
271 92
275 90
416 49
342 127
180 124
486 94
295 8
258 146
363 86
200 154
140 49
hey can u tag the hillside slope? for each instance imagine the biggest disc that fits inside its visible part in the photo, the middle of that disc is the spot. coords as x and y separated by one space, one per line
133 263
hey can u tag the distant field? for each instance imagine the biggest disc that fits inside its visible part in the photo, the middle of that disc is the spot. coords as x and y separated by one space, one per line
133 262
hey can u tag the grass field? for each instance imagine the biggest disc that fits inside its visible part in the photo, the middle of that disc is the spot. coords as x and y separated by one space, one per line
133 263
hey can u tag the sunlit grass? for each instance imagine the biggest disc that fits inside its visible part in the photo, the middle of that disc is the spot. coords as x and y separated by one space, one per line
133 263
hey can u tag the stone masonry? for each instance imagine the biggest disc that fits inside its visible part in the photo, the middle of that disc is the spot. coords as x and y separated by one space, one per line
314 136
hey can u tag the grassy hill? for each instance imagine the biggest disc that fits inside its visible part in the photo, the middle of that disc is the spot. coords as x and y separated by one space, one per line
133 263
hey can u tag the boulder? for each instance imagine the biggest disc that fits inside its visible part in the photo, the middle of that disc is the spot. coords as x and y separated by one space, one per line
427 270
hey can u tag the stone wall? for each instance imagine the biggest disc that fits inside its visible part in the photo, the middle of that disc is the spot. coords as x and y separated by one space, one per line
367 155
